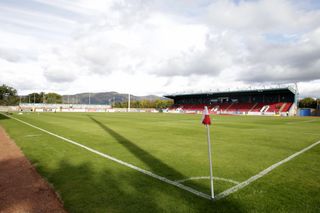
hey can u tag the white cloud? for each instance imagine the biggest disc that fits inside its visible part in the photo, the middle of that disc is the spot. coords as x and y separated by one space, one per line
310 89
158 46
287 62
261 16
25 76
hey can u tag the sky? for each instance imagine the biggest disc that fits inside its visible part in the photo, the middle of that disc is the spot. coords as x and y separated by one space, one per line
159 47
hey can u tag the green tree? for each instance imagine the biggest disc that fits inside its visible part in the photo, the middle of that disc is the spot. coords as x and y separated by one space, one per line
8 95
35 98
53 98
163 104
42 98
158 104
308 103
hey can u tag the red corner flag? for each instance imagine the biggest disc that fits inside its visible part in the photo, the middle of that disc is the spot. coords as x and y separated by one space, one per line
206 121
206 117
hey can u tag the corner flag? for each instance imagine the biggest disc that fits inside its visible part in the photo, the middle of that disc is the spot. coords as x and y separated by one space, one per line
207 121
206 117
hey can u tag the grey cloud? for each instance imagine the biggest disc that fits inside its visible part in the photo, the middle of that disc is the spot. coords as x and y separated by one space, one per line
189 65
261 16
298 61
16 55
221 52
267 73
59 75
309 89
26 85
313 93
236 43
35 22
9 56
105 58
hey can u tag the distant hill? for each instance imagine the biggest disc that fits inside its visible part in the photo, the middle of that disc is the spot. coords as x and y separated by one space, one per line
104 98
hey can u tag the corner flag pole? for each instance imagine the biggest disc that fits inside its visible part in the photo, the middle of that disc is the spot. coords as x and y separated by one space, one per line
206 121
210 161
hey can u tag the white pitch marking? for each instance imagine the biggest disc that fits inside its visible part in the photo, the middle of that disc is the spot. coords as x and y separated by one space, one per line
307 121
32 135
262 173
310 133
207 177
163 179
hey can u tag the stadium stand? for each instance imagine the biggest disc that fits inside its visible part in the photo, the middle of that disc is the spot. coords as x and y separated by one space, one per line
257 107
240 107
274 101
286 107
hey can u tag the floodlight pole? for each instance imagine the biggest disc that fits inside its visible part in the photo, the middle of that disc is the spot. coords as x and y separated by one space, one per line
129 102
210 161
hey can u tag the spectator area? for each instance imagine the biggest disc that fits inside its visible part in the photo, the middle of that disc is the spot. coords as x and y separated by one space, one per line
266 101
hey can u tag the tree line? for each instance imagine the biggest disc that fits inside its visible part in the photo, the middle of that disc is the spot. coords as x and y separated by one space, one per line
9 97
158 104
48 98
309 103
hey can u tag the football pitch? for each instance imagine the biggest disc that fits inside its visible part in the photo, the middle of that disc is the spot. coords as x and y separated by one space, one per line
145 162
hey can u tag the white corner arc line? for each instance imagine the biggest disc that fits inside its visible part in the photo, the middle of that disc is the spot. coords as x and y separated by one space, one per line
207 177
163 179
262 173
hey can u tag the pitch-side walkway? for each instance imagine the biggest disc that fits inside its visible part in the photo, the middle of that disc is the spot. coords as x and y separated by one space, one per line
21 188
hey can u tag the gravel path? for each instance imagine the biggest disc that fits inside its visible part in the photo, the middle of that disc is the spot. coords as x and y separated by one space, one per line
22 189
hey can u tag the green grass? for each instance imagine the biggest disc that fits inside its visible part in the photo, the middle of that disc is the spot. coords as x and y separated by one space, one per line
173 146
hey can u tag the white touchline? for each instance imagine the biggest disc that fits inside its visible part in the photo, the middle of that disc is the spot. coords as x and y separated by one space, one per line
207 177
298 122
310 133
163 179
262 173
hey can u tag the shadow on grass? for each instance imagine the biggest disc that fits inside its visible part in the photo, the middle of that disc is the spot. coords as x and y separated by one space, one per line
88 187
2 117
160 168
83 188
155 164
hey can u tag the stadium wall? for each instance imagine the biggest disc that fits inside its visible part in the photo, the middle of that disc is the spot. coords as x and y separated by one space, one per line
63 108
70 108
